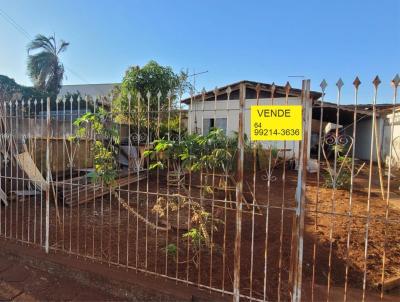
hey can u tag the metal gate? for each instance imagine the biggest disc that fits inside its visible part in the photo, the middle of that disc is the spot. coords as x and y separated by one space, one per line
173 187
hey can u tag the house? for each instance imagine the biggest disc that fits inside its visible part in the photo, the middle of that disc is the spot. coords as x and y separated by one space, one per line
103 91
215 108
88 89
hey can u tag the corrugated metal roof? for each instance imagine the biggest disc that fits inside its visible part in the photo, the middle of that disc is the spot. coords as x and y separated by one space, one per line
221 91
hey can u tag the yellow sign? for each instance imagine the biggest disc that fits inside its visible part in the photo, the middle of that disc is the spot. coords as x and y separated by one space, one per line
276 123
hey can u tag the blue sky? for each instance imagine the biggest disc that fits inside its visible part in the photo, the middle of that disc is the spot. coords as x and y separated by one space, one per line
256 40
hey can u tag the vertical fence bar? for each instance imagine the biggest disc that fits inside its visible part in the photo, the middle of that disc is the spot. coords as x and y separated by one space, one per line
24 219
159 95
138 99
78 100
170 96
129 98
323 86
119 241
213 191
226 195
395 83
87 140
179 181
17 176
3 158
11 165
56 144
94 137
70 164
35 148
64 151
239 195
192 98
301 197
47 177
376 83
356 84
254 147
2 151
335 177
282 217
41 169
147 146
29 138
268 193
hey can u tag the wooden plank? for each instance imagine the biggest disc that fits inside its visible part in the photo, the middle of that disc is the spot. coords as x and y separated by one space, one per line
3 197
27 164
88 193
25 192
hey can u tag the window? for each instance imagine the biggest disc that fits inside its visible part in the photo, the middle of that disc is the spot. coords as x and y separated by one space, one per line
210 123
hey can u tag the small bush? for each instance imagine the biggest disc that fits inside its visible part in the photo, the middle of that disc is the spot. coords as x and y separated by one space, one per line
171 250
343 178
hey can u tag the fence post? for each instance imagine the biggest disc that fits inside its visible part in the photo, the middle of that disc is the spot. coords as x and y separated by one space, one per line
46 246
239 195
298 228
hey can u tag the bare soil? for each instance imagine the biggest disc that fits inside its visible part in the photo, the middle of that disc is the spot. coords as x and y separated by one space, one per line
22 282
104 230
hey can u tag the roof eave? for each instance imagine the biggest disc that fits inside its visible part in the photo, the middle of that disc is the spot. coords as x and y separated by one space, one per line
294 92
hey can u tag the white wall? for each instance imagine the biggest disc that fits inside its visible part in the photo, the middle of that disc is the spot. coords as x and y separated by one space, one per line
386 143
230 110
363 138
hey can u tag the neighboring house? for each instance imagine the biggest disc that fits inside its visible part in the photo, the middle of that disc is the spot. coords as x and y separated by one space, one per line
92 90
102 91
214 109
362 138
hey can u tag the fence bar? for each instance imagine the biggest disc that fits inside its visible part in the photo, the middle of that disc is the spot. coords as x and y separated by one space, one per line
376 83
335 177
356 84
239 196
48 177
287 90
301 197
395 84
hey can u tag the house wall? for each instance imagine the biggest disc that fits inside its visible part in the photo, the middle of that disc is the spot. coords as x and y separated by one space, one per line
362 141
389 125
230 110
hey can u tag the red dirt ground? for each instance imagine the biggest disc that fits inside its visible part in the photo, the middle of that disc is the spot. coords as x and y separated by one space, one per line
21 282
104 230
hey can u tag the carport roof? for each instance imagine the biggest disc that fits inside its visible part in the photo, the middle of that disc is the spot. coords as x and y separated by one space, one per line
346 112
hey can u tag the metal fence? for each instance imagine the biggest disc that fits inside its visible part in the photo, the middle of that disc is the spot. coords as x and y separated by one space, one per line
142 185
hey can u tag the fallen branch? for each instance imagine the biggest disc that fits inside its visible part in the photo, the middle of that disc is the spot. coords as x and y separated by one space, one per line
390 283
141 218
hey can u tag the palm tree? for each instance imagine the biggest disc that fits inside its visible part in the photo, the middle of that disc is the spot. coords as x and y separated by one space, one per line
44 67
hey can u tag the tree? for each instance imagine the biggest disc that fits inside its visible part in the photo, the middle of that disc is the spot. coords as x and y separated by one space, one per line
160 81
44 67
10 90
105 148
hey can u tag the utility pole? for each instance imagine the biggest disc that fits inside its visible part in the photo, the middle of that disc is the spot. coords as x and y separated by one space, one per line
194 74
296 76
